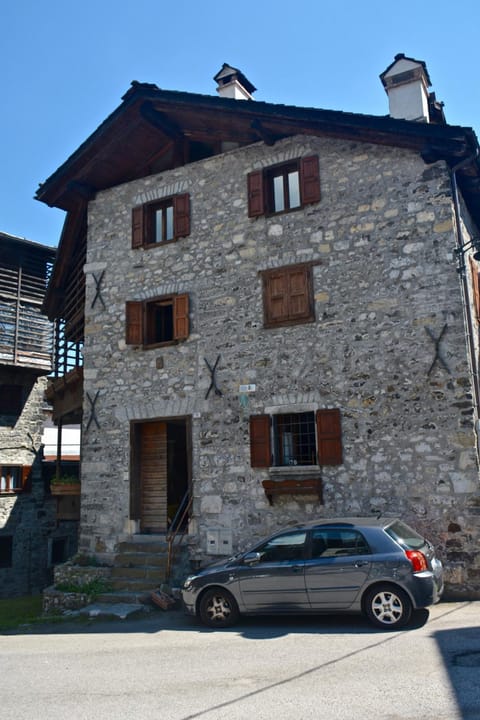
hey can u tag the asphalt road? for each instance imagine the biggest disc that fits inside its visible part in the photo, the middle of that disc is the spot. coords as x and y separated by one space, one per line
169 667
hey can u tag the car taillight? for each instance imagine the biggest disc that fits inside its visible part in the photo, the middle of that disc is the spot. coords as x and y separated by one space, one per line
418 560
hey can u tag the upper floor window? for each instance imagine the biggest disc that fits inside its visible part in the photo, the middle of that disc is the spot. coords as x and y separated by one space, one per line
14 478
158 321
284 187
288 295
161 221
305 438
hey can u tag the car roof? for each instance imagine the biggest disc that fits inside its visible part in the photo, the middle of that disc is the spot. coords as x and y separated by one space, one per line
374 521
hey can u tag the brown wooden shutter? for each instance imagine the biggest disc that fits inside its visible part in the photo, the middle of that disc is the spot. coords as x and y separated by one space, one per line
26 478
256 201
309 180
299 292
137 226
260 452
180 317
329 437
476 287
275 287
181 215
134 323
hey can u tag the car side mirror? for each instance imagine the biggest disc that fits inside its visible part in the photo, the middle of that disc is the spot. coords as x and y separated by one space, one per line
251 558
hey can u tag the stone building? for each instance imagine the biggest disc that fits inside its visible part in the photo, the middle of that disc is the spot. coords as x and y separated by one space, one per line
274 315
31 539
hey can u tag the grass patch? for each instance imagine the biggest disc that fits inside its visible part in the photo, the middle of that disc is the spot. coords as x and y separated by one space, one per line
19 611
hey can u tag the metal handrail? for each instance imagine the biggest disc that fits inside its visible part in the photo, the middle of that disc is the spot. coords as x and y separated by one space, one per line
176 527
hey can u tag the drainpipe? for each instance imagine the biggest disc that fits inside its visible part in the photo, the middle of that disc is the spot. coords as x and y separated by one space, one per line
464 288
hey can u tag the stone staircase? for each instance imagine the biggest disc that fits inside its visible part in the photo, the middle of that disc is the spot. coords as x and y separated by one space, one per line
140 566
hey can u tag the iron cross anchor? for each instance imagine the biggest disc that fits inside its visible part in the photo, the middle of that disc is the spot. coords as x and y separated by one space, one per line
438 356
213 383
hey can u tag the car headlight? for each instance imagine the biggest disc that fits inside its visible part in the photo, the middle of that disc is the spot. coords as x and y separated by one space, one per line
188 582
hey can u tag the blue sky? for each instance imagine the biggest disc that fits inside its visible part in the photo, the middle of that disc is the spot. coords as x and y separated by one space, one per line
64 66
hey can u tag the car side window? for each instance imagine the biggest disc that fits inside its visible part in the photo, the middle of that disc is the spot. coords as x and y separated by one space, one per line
334 542
289 546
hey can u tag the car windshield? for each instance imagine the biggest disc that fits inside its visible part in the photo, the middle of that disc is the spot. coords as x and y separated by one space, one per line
404 535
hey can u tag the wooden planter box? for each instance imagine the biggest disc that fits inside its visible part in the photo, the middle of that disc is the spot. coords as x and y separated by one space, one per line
65 488
274 488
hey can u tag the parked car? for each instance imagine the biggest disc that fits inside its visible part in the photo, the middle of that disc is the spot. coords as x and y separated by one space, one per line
380 567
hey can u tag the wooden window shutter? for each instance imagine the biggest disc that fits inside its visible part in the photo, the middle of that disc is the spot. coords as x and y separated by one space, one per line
476 287
275 286
256 200
137 226
260 451
134 323
180 317
329 437
299 293
309 180
26 478
181 215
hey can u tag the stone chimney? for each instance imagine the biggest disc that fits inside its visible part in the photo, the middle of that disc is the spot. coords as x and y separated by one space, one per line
232 83
406 82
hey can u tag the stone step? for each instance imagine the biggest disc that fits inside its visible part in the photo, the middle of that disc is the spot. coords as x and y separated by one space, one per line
124 596
150 574
132 559
140 585
149 547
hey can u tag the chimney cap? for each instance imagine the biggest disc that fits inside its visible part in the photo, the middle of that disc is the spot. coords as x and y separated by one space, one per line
227 73
398 58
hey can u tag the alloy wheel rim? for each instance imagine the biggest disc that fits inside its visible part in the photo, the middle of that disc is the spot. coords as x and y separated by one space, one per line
387 607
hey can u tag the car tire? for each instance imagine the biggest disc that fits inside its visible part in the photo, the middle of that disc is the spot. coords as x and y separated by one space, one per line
387 606
218 608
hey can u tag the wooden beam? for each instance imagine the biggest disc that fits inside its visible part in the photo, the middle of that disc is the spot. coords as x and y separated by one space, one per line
263 134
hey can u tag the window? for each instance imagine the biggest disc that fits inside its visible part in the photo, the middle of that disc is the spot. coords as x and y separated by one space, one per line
161 222
285 187
14 478
11 400
291 439
288 295
333 542
157 321
289 546
6 551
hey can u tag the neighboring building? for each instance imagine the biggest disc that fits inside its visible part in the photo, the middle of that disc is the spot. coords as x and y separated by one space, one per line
275 309
29 533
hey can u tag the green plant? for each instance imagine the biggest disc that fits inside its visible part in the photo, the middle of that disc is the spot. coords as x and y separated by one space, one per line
65 480
92 588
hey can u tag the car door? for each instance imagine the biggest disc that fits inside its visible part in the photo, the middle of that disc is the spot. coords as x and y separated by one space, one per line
275 581
337 569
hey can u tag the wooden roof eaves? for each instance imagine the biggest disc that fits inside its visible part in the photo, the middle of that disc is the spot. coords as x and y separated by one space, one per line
271 116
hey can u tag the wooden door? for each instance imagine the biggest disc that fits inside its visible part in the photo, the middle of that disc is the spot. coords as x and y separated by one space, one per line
153 477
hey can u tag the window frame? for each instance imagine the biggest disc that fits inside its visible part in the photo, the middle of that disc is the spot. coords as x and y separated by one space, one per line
144 221
25 479
328 440
139 322
260 190
288 306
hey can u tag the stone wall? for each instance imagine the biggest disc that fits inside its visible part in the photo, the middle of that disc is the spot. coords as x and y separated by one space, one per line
29 518
385 287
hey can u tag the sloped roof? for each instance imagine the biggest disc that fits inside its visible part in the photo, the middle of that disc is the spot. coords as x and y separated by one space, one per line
145 132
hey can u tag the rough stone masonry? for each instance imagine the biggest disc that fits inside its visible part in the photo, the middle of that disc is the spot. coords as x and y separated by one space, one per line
385 286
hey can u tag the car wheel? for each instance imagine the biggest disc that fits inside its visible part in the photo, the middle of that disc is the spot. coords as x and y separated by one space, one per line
387 606
218 608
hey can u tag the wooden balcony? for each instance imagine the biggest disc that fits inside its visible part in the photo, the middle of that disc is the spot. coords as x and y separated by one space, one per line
65 394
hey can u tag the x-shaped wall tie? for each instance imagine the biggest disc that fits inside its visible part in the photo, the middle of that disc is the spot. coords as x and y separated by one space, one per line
98 294
93 417
213 383
437 341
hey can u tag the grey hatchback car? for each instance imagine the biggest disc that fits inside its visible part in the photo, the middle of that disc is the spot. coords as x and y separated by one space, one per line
380 567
